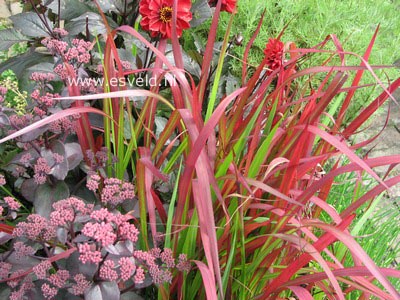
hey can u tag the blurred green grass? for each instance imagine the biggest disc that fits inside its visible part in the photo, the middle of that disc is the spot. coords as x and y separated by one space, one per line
310 21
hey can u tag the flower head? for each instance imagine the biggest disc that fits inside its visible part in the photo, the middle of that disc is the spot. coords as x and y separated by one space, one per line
41 269
59 278
48 291
274 51
22 250
35 227
127 268
157 16
81 286
12 203
88 254
107 271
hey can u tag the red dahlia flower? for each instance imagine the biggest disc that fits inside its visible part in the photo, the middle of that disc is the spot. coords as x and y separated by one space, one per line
157 16
274 53
226 5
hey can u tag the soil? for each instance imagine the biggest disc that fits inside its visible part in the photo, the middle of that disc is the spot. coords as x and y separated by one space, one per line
388 143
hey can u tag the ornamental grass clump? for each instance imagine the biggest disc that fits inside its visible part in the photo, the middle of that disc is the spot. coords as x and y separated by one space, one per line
197 186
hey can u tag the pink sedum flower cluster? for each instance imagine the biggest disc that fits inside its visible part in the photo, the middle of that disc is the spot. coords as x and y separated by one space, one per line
105 241
66 210
36 227
116 191
41 169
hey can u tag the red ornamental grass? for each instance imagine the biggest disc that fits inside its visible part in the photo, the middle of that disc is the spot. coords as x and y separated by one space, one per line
226 5
157 16
274 54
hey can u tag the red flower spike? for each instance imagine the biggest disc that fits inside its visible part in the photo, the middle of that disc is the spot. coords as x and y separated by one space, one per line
157 16
274 51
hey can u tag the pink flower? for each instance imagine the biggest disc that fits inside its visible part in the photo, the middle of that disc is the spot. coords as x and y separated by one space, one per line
81 286
126 267
5 269
60 31
139 276
3 90
102 233
61 71
22 250
58 158
87 255
93 182
157 16
41 269
183 264
128 231
126 65
12 203
116 191
59 279
48 292
37 76
35 227
107 271
35 94
26 158
66 210
14 283
102 215
167 258
17 295
41 169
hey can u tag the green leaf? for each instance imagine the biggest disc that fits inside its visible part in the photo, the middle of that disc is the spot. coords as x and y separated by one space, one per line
46 194
9 37
30 24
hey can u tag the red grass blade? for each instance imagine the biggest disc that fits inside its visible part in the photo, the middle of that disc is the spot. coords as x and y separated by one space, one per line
203 202
208 54
6 228
148 181
310 249
368 111
355 82
301 293
356 249
54 258
208 282
324 241
334 141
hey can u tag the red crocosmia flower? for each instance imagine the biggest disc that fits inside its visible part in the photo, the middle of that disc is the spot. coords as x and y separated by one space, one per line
274 54
157 16
226 5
